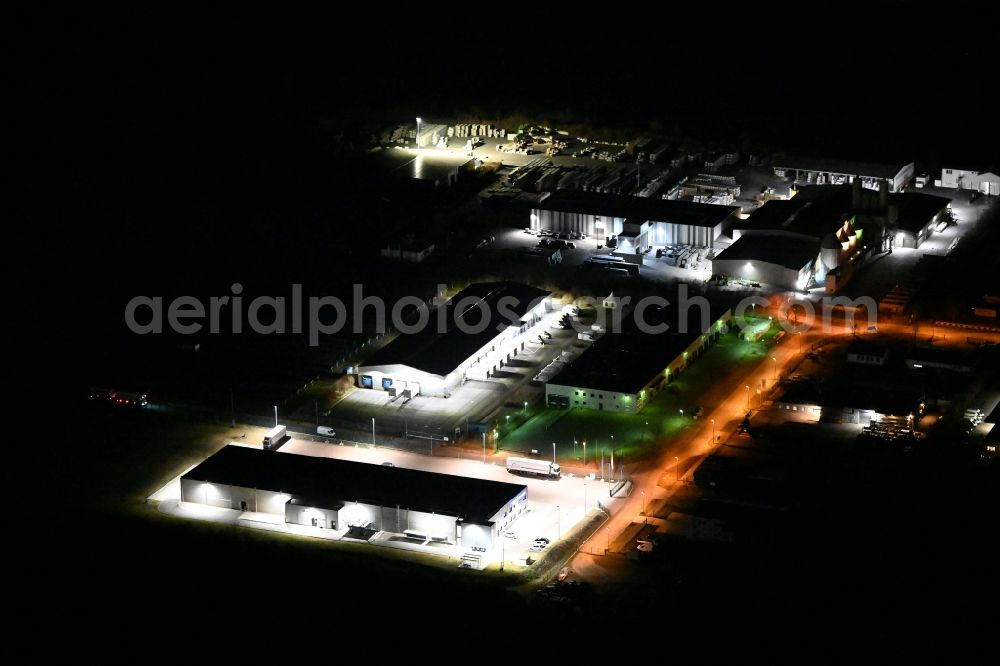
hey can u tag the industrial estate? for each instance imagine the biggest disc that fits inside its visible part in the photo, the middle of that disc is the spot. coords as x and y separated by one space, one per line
619 267
586 356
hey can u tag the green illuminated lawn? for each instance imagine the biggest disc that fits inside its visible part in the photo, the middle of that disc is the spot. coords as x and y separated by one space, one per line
637 435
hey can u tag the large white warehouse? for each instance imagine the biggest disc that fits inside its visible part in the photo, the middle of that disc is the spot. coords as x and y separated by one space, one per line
636 222
358 497
470 337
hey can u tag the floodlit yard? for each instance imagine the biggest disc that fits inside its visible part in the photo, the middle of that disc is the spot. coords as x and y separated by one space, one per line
636 435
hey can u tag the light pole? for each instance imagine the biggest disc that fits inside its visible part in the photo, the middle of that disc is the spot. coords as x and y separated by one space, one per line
642 496
774 360
748 397
607 534
275 415
553 453
508 422
677 468
713 432
525 407
416 137
373 432
574 447
585 452
584 498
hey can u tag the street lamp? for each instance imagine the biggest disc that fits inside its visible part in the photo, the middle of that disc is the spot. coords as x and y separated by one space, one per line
275 415
607 533
553 453
574 447
416 137
508 420
642 495
584 498
584 452
774 360
525 406
713 432
748 397
677 468
373 431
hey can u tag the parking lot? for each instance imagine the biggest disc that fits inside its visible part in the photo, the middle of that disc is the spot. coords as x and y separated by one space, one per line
471 401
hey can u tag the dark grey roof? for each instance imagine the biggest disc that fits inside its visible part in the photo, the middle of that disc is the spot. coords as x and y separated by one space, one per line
438 353
916 209
329 483
628 361
815 211
637 209
775 248
833 165
863 346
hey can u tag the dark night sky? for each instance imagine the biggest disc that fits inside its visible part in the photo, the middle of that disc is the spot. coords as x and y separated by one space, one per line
180 137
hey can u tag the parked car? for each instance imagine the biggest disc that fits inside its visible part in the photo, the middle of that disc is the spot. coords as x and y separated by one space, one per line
510 534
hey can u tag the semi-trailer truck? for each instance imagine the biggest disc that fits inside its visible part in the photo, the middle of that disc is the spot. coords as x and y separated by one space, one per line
274 436
529 466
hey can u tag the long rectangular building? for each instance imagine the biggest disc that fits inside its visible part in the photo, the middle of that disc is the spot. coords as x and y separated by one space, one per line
637 222
831 171
472 335
340 494
623 370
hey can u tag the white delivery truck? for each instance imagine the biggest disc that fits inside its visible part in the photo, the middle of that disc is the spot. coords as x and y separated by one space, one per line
529 466
274 436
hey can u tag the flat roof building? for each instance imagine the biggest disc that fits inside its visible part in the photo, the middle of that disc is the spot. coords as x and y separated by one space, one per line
845 222
831 171
622 371
773 257
341 494
472 335
643 221
422 166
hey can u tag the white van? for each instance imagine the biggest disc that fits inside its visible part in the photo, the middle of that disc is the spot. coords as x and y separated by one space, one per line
326 431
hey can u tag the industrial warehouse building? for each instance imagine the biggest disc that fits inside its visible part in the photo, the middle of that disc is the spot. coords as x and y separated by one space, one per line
805 171
359 498
774 257
636 222
471 336
422 167
622 371
836 224
984 181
